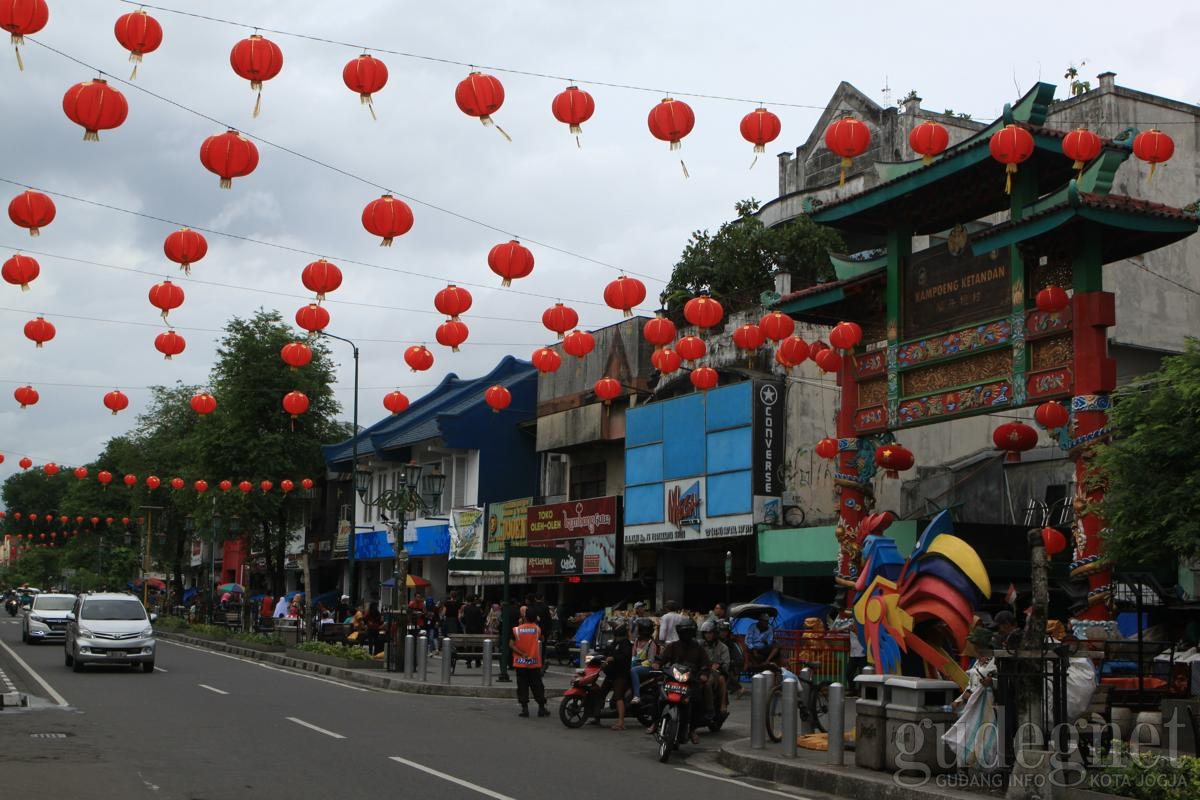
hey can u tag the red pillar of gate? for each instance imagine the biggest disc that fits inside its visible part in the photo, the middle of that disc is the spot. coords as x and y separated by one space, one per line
851 498
1095 377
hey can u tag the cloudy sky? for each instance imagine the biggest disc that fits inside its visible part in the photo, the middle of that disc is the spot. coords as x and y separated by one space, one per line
619 202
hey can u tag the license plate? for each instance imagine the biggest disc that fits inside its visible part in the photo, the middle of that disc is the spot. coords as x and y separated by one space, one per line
116 654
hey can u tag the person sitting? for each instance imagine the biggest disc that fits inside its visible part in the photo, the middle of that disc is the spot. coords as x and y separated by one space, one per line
760 643
737 659
686 650
326 619
373 623
644 650
718 656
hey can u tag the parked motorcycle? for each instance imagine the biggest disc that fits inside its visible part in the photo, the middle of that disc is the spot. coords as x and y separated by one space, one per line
12 606
672 728
590 697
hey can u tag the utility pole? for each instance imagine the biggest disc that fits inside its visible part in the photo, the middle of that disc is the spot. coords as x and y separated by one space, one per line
146 553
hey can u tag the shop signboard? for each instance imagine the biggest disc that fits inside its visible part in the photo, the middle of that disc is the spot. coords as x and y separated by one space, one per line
586 531
466 534
506 522
685 517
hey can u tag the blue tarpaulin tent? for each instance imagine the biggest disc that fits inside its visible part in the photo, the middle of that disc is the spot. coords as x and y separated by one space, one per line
792 612
589 628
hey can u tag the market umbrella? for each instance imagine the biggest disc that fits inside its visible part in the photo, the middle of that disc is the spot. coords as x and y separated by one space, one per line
410 582
155 583
232 588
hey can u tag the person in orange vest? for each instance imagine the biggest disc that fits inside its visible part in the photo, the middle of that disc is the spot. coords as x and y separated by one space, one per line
527 663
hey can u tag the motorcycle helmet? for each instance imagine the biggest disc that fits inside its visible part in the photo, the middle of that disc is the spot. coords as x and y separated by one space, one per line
686 629
710 626
645 627
723 626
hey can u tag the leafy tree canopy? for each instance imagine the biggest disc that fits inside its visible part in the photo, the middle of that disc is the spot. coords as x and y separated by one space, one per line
739 262
1152 466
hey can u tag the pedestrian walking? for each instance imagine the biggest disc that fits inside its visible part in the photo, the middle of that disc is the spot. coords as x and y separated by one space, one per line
527 664
666 625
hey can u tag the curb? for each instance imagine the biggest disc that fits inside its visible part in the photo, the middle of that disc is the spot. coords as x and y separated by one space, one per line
371 678
819 776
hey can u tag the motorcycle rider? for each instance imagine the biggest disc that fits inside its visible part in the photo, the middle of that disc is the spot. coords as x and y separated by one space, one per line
616 670
686 650
737 659
718 656
644 650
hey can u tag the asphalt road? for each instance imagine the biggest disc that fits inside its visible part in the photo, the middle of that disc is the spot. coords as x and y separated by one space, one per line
207 726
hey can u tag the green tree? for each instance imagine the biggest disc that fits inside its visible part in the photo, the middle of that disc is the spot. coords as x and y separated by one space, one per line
1151 468
739 262
33 494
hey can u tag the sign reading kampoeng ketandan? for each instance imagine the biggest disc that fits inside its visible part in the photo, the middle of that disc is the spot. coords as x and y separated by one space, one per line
586 532
943 291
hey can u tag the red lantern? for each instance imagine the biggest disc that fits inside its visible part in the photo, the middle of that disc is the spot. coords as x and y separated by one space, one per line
703 312
816 349
1014 438
510 261
153 482
201 486
480 95
116 401
748 337
760 127
1051 415
296 354
139 33
21 271
388 218
21 17
1053 541
1052 299
671 120
498 398
321 277
845 335
691 348
704 378
30 209
418 357
1154 147
306 483
625 294
286 485
848 138
573 106
256 59
827 448
245 487
266 486
578 343
1081 146
26 396
607 389
452 333
659 331
452 301
666 360
365 75
295 403
829 360
546 359
395 401
928 139
39 331
312 318
105 477
177 483
777 326
894 458
185 247
229 155
95 106
225 486
166 296
130 481
170 344
1011 145
560 319
204 403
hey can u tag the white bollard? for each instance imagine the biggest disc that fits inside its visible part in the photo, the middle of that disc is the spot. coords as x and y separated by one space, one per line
837 724
410 649
423 660
447 658
760 689
487 662
788 708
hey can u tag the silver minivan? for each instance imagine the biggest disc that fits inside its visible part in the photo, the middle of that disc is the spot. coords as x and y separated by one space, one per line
109 628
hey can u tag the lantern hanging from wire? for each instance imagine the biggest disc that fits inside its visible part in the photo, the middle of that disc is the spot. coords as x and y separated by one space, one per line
39 331
703 312
546 359
666 360
607 389
498 398
21 270
624 294
296 355
452 301
579 343
170 344
321 277
365 76
480 95
1011 145
21 18
760 127
848 138
894 458
704 378
573 107
418 357
116 401
510 260
32 210
387 218
1081 146
659 331
203 403
1014 438
185 247
295 403
452 333
560 319
1154 147
257 59
229 155
312 318
395 402
929 139
691 348
776 326
1052 415
139 33
95 106
791 352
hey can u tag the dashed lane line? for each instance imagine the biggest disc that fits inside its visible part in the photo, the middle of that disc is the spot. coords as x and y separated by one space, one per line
212 688
296 673
312 727
55 696
451 779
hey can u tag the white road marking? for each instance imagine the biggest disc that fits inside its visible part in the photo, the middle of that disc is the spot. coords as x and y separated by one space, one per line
159 669
264 665
211 688
310 726
55 696
467 784
743 785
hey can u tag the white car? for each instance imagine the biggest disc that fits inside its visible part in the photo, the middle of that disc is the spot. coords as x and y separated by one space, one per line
109 628
46 619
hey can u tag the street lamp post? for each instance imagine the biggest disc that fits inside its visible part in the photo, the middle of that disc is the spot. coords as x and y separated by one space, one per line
354 466
728 577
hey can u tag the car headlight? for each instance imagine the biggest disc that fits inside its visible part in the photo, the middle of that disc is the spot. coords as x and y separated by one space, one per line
85 633
679 674
35 618
147 631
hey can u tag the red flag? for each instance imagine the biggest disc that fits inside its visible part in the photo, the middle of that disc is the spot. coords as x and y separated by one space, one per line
1010 597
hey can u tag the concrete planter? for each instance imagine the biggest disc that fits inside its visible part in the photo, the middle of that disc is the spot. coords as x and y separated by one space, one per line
257 646
333 661
206 637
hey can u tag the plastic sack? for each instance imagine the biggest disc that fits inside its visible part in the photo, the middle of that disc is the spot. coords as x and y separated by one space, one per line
1081 685
973 738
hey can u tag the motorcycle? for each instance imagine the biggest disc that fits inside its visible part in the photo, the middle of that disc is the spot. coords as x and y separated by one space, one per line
589 697
672 729
12 606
